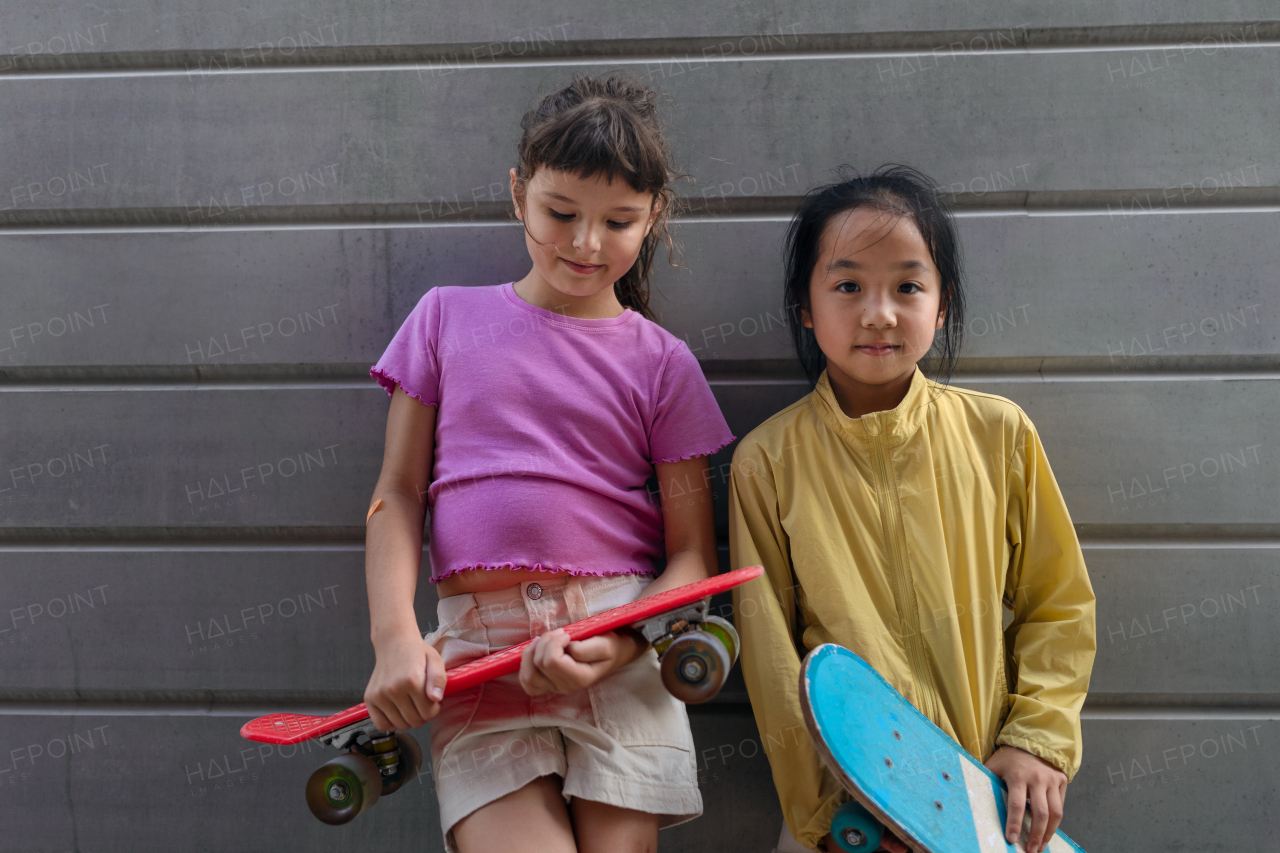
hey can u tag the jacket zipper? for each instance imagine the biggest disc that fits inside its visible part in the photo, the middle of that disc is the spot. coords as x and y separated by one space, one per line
908 613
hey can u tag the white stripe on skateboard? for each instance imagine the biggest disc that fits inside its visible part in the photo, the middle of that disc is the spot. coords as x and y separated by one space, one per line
986 817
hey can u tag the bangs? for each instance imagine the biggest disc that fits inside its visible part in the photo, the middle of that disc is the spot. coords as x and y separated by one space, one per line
597 137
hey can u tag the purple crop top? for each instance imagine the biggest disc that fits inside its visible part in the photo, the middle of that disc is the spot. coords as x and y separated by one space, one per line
547 430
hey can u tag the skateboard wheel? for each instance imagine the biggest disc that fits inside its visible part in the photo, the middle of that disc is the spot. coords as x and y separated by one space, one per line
694 667
855 830
723 630
410 763
343 788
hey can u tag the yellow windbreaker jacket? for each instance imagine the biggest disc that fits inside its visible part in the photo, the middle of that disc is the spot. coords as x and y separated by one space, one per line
904 536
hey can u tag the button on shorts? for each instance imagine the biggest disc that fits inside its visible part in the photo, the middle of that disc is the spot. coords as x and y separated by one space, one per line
624 740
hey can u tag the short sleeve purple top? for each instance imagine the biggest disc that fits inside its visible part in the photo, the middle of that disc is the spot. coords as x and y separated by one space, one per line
547 429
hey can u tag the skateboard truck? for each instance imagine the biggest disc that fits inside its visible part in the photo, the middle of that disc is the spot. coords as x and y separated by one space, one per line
696 651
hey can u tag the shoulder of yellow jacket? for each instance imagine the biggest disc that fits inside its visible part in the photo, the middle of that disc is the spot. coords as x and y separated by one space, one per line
989 408
770 437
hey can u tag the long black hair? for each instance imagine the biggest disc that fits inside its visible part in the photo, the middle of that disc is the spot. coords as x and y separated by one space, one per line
607 126
899 191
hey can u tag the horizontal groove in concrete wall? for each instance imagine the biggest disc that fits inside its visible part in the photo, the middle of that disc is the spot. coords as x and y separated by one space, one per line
218 703
441 59
180 538
1118 204
245 704
302 538
270 377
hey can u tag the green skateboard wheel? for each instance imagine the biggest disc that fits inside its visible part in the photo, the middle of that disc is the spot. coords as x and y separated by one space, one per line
855 830
723 630
694 667
343 788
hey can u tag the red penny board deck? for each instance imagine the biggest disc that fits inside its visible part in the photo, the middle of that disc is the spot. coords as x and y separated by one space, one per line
295 728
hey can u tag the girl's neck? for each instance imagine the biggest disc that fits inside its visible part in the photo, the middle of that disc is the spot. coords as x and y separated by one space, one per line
857 399
601 305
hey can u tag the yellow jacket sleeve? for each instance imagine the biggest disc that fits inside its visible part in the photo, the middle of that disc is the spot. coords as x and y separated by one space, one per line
1051 640
765 611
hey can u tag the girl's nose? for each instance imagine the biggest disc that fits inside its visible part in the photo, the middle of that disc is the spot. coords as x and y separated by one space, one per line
587 239
878 313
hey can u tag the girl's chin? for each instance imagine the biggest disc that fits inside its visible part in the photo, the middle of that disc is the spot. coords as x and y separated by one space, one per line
883 371
578 287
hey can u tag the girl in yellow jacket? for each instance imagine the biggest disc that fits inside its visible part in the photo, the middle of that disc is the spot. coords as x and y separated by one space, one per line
903 518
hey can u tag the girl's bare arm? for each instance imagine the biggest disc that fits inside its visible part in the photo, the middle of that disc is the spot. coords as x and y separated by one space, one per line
688 515
408 678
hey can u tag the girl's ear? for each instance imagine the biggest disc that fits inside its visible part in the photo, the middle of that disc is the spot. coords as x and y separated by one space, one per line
654 210
942 319
806 319
517 195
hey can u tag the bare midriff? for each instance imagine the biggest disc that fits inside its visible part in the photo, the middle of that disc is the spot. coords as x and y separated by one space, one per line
488 580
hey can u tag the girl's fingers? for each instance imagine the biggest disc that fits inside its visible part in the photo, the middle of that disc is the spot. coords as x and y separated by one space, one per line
391 718
1055 812
1017 805
437 676
598 649
549 646
1039 819
528 669
379 719
406 711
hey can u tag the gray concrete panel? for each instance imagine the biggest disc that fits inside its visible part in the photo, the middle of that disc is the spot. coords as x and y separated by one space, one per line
1038 286
1129 452
264 457
223 623
1059 121
1193 621
1176 784
280 28
162 783
245 625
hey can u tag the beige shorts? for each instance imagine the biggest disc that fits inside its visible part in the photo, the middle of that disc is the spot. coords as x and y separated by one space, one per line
624 740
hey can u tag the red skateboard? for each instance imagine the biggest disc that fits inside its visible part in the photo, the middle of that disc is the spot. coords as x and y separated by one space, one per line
697 651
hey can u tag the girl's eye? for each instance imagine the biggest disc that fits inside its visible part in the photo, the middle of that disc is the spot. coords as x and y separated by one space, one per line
910 287
563 217
848 287
618 225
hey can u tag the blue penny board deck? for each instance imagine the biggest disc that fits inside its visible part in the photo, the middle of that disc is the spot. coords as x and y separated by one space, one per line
906 771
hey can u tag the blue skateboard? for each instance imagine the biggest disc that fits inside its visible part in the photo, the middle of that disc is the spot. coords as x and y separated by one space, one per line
902 771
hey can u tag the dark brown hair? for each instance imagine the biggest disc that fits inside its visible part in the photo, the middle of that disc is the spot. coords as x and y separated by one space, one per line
895 189
606 126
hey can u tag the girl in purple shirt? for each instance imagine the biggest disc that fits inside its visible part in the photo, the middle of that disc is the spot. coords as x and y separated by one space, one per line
531 415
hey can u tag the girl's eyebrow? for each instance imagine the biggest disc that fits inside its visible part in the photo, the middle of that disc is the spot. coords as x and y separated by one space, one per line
850 264
620 208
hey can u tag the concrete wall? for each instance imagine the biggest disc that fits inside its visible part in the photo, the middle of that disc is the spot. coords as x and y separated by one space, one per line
214 218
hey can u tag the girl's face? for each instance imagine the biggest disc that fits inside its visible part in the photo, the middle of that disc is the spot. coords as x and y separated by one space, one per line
875 299
582 234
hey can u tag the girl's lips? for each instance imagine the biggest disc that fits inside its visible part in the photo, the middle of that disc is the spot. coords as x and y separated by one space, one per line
583 269
886 349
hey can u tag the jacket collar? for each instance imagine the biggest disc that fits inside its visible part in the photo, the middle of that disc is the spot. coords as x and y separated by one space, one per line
895 425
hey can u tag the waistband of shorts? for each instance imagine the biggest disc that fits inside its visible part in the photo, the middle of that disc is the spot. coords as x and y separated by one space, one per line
552 586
